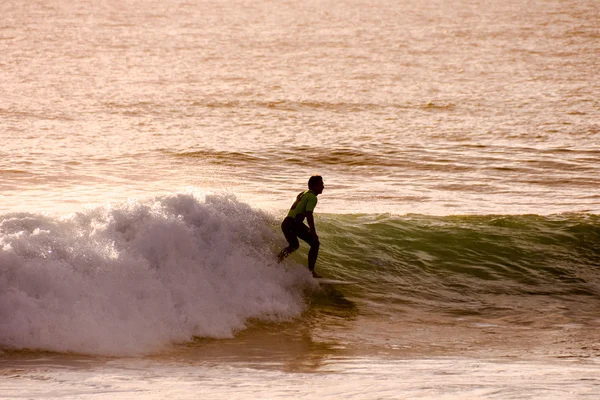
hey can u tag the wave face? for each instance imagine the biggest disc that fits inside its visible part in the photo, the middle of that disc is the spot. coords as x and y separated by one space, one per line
133 278
510 267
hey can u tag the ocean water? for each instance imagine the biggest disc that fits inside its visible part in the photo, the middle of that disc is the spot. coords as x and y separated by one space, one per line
150 149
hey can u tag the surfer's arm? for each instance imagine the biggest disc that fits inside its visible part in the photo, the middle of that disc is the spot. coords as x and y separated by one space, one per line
311 223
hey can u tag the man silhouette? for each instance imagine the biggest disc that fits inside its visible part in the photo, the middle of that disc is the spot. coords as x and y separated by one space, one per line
293 226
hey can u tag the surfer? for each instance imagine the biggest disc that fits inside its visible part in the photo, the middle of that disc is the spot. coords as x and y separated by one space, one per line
293 226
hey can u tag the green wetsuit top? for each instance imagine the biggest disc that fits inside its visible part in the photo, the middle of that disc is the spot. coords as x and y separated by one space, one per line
306 201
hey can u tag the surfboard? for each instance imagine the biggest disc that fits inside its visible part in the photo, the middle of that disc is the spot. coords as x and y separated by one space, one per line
326 281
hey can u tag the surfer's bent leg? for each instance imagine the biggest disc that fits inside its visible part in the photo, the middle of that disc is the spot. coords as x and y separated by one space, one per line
288 227
313 253
304 234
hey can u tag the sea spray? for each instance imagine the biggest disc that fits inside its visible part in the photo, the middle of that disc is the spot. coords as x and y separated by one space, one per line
135 277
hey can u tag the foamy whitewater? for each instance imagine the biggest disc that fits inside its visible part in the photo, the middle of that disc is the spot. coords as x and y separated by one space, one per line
134 279
149 150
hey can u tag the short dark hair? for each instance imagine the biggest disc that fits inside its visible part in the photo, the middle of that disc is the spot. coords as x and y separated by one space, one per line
315 179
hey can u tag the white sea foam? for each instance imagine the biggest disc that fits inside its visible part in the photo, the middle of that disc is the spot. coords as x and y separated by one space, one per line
135 277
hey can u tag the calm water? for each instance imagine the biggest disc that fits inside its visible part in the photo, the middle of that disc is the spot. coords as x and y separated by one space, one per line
421 107
150 148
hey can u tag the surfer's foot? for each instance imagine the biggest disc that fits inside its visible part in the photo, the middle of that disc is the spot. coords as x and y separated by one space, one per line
281 256
315 275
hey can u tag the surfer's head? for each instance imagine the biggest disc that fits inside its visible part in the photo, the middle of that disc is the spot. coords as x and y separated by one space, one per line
315 183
